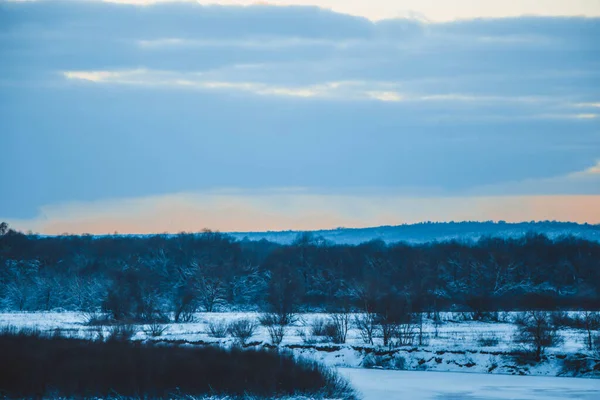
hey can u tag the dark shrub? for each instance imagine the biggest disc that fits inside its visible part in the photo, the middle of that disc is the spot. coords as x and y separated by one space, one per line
155 329
97 319
317 327
573 366
595 341
562 319
306 338
374 361
121 332
218 329
242 330
275 326
490 340
37 366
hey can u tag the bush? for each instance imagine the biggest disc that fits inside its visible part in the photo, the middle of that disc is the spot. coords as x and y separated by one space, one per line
38 366
306 339
275 326
317 327
155 329
489 340
218 329
374 361
399 362
596 344
562 319
96 319
13 331
524 357
573 366
58 332
97 333
336 329
121 332
278 318
242 330
386 362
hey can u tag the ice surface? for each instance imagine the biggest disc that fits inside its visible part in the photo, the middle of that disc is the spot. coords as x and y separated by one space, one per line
415 385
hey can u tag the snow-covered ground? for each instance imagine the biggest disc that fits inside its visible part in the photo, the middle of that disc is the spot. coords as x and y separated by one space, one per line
452 346
451 335
401 385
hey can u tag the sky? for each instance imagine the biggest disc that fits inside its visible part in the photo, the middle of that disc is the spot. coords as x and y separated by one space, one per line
141 117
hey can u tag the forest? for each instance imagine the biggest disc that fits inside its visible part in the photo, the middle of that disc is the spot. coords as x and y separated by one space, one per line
173 276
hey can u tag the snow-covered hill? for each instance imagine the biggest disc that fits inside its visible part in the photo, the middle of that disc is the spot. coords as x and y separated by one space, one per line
432 231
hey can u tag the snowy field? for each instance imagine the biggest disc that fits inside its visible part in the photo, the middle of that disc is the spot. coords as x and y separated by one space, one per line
452 346
414 385
451 335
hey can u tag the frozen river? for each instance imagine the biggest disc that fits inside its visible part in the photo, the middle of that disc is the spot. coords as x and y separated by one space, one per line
376 384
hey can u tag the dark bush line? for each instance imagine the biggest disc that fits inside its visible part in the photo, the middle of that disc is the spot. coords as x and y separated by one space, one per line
35 366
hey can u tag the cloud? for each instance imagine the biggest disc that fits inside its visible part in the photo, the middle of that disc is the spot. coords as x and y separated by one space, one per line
103 101
585 181
265 43
593 170
385 96
419 9
377 90
194 80
588 105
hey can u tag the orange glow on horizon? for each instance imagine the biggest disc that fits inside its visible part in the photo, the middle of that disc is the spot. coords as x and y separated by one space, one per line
297 211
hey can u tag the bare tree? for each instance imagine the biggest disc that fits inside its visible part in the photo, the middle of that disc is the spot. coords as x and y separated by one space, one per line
391 312
21 289
535 328
337 327
366 325
211 293
406 333
85 294
185 303
419 319
48 290
591 323
247 285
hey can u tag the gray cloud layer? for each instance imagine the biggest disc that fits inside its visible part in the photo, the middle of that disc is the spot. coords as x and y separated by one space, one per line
263 97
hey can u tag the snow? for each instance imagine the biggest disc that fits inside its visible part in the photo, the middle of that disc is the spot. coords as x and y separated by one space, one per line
452 335
455 348
375 384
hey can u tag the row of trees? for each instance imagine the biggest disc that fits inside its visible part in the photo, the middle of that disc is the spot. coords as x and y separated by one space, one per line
149 277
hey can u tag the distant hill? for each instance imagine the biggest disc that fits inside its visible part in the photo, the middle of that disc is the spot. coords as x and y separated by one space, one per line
434 231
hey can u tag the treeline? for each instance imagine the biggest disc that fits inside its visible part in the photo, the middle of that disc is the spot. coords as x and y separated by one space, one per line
437 231
175 275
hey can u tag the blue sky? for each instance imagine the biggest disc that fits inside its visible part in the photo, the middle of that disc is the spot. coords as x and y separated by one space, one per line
181 116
